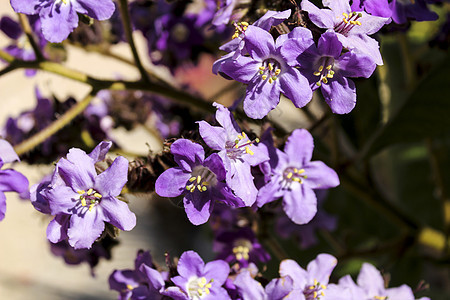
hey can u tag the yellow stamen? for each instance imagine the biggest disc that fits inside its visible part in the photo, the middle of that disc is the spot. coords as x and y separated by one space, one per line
91 207
316 73
320 68
248 151
192 179
204 188
199 179
90 191
345 15
329 67
270 67
264 77
325 80
289 176
270 80
245 23
97 195
81 192
277 72
83 202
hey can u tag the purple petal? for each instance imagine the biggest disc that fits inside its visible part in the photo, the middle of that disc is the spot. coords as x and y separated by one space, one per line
57 228
190 264
370 279
187 153
7 153
85 229
320 268
300 204
248 287
13 181
61 199
215 164
272 18
58 21
28 7
2 205
217 270
320 176
153 276
242 184
369 24
361 43
259 43
289 267
198 208
329 45
338 6
215 137
279 288
112 180
323 18
11 28
98 9
225 118
340 94
78 170
100 151
172 182
295 87
299 147
355 65
291 47
118 213
242 69
403 292
269 192
261 98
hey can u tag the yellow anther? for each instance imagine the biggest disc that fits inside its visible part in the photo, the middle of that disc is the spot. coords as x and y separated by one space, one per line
315 282
97 195
240 137
245 23
270 66
345 15
205 183
257 140
330 75
320 68
202 282
199 179
317 73
329 67
243 135
204 188
91 207
81 192
262 68
345 21
358 23
90 191
380 297
315 295
353 22
264 77
295 170
270 80
207 291
200 292
324 287
248 151
83 202
311 287
192 189
130 287
192 179
300 171
208 285
277 72
331 72
199 188
235 35
318 83
325 80
289 176
322 293
261 72
296 179
244 28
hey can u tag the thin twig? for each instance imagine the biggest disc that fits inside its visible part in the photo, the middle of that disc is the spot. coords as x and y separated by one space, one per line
29 33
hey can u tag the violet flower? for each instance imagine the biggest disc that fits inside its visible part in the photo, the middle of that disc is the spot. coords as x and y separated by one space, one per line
198 280
312 283
237 151
10 180
82 200
296 177
371 285
352 28
326 68
200 180
59 17
402 10
268 72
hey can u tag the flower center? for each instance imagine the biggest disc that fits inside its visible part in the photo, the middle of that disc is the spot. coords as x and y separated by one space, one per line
380 297
314 291
348 22
240 146
90 198
292 174
239 28
180 33
325 70
270 70
198 287
241 249
202 177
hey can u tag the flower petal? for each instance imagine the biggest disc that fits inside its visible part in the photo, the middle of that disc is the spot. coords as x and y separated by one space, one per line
299 147
172 182
13 181
7 153
300 204
78 170
187 153
323 18
100 151
261 98
259 43
320 268
28 7
61 199
340 94
198 207
320 176
215 137
58 21
57 228
98 9
112 180
190 264
118 213
295 87
84 229
217 270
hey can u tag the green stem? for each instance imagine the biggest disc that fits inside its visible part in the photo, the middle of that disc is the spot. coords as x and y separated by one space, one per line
57 125
29 33
129 35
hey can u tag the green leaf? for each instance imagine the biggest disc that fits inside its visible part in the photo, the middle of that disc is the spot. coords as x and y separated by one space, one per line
426 113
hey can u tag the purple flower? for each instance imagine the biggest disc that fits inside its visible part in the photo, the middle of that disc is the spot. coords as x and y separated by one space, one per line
240 246
326 68
82 200
198 179
417 10
352 28
198 280
144 282
268 72
59 17
10 180
237 151
379 8
312 283
371 285
296 176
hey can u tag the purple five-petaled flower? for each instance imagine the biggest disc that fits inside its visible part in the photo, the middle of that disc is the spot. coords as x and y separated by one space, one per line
325 67
295 178
268 72
82 200
200 180
60 17
10 180
352 28
237 151
198 280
